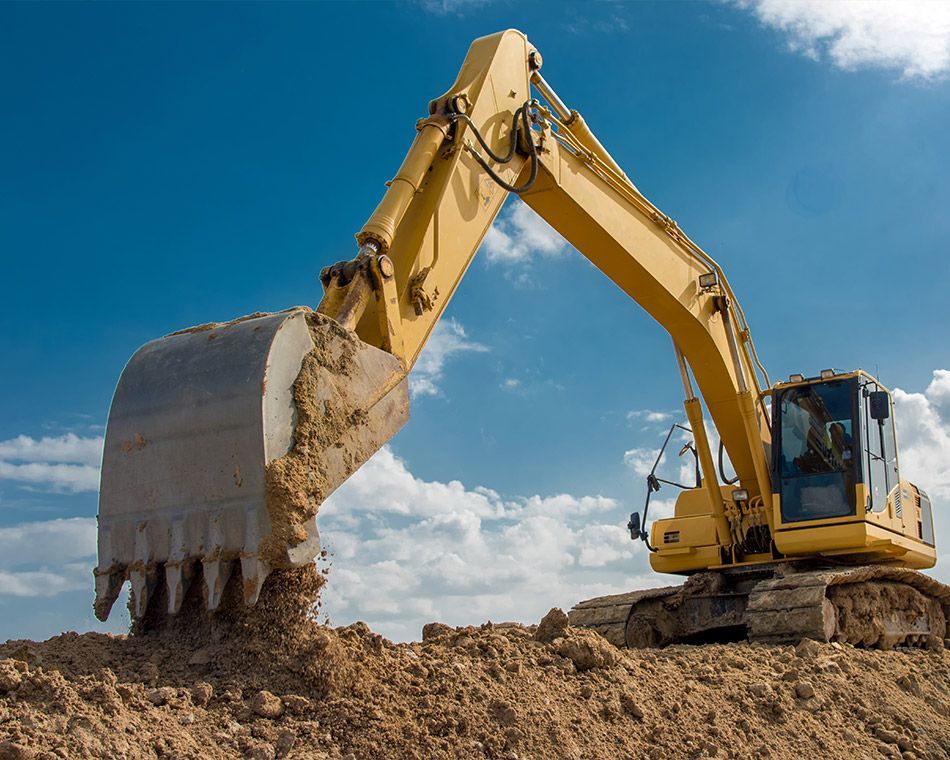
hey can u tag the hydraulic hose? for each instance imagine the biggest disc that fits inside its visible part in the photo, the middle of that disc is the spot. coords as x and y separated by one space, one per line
516 130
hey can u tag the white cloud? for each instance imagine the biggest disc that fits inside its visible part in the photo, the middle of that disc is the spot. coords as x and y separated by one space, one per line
923 442
680 468
57 477
640 460
912 36
923 430
451 7
40 583
447 340
60 463
649 416
68 448
407 551
519 235
47 558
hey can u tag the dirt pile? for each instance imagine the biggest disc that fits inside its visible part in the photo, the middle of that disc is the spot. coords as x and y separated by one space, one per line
269 683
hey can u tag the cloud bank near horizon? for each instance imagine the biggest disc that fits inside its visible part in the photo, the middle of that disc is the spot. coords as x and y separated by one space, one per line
407 551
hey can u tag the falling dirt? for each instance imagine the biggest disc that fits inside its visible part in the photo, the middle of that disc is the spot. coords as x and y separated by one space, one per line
345 413
268 682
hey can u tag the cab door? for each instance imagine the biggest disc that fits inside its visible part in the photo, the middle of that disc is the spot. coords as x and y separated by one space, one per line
879 446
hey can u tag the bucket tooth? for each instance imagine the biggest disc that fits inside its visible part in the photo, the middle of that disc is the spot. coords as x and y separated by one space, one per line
143 582
178 576
253 572
216 575
178 568
108 587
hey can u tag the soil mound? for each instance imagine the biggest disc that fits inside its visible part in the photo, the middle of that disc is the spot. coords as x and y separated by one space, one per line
268 682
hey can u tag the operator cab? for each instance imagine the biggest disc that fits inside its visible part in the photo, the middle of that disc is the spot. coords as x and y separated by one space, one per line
834 447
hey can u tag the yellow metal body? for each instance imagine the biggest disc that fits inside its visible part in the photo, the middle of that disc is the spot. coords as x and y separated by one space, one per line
433 217
889 535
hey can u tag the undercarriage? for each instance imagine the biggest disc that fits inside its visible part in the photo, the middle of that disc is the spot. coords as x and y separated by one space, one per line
869 606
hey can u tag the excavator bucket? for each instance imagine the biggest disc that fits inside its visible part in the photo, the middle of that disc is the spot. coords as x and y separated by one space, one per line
222 442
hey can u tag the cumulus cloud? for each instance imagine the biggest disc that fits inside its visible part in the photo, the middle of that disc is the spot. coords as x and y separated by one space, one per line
923 430
649 416
519 235
407 551
68 448
59 463
448 339
48 557
640 460
923 442
911 36
679 469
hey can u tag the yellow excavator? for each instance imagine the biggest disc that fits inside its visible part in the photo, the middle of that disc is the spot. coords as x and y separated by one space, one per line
223 439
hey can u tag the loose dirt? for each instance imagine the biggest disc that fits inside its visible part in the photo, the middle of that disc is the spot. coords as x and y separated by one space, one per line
268 682
347 407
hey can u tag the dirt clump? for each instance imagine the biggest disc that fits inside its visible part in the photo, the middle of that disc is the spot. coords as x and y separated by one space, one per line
552 626
271 683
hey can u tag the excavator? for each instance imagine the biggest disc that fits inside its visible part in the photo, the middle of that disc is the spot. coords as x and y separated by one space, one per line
224 439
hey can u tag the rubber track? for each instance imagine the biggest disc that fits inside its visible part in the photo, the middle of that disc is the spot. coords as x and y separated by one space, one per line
608 614
795 605
786 608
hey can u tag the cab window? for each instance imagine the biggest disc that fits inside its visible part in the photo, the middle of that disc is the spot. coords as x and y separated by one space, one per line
879 450
816 457
816 429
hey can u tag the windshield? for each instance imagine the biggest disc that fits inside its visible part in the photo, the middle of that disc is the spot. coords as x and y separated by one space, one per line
816 429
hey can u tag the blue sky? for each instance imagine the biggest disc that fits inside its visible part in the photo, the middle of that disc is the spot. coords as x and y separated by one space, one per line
167 165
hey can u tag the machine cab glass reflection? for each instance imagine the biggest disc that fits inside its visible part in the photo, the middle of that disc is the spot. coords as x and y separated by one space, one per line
817 459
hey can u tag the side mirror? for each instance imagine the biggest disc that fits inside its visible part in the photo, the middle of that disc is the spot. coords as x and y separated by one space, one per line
880 405
634 525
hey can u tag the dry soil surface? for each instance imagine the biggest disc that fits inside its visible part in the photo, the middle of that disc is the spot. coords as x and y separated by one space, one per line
268 683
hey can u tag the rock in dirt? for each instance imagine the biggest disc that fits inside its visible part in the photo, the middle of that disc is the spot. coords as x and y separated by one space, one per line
808 649
266 705
10 677
296 704
804 690
285 742
552 626
432 631
631 706
201 693
160 696
587 651
200 657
